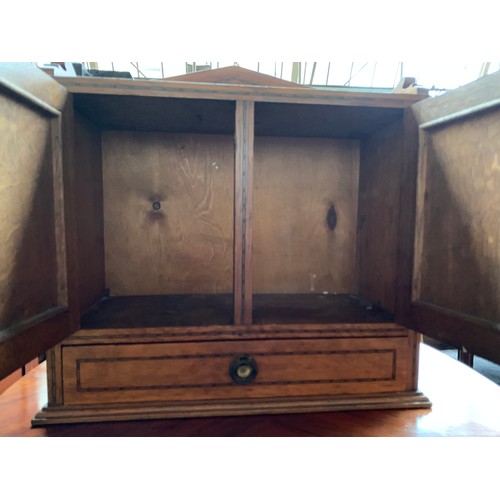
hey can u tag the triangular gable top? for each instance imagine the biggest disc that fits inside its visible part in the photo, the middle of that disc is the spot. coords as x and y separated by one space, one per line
234 75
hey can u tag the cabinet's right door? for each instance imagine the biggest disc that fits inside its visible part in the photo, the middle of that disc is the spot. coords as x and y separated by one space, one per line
455 285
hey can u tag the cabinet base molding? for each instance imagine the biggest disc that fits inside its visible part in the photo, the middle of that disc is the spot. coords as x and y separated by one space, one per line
102 413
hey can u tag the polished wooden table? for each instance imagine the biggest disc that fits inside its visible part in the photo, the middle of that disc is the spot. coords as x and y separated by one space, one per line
464 404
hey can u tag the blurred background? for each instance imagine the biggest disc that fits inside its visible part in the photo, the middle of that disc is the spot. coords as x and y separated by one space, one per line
435 76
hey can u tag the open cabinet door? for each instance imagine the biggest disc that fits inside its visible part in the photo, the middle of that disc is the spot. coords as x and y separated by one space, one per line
455 292
33 274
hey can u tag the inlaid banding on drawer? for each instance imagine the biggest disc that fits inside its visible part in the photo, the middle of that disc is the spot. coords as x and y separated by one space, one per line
312 367
164 372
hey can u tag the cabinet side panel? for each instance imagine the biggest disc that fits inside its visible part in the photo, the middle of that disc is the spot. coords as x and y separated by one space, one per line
379 197
305 211
28 250
89 209
168 213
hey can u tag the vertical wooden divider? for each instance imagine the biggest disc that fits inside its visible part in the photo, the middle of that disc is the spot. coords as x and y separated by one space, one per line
243 212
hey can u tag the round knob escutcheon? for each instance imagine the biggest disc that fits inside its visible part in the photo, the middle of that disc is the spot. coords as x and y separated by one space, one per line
243 369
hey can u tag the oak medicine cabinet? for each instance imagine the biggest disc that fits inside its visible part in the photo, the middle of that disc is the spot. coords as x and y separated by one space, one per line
241 244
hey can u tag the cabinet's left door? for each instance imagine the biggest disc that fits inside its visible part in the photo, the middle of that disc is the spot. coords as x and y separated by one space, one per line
34 312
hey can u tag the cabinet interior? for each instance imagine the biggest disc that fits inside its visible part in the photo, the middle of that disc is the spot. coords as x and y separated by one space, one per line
155 211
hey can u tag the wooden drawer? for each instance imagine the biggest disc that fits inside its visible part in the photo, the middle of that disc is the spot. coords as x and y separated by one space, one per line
201 371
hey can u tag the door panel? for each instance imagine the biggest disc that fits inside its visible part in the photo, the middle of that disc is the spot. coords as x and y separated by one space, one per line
459 217
28 268
455 291
33 290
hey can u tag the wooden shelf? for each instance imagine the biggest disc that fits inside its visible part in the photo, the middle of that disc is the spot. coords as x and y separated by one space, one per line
160 310
316 308
204 310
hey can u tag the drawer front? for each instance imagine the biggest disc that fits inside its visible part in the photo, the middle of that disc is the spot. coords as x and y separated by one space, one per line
234 369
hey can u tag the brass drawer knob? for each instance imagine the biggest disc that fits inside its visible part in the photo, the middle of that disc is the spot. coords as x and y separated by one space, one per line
243 369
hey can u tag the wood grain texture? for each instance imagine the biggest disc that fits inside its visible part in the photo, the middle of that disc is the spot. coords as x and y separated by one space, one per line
181 410
185 244
378 215
320 308
407 216
33 279
69 186
87 165
167 334
233 75
20 346
207 116
59 207
28 250
477 336
54 376
414 339
148 311
464 403
478 93
243 212
296 181
188 90
32 86
130 373
6 382
31 365
458 233
200 371
160 310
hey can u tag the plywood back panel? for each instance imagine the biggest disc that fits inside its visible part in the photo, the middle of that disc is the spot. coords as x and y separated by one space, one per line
458 246
300 243
168 213
378 219
89 211
28 247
